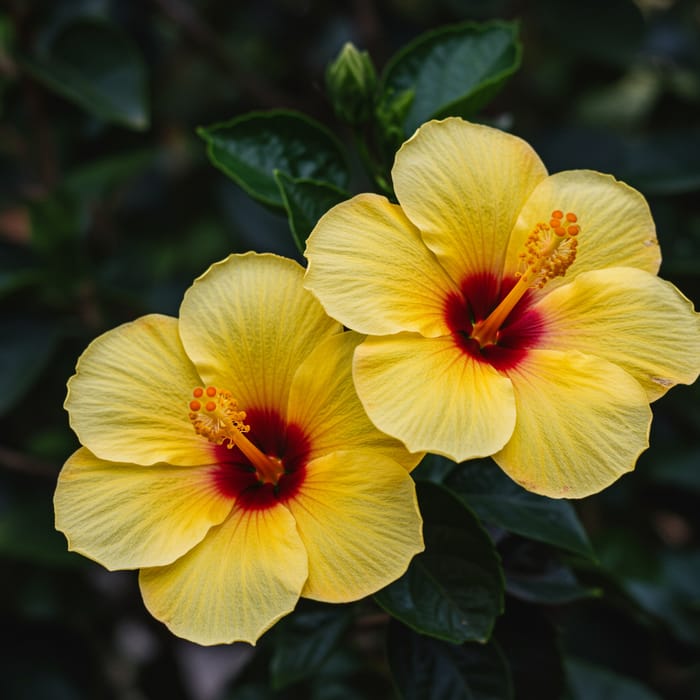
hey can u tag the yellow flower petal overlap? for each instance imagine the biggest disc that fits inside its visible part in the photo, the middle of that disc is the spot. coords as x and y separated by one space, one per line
339 496
227 456
433 371
546 333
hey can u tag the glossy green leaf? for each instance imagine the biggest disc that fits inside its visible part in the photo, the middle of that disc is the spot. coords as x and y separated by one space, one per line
304 641
454 589
306 201
251 148
27 346
453 70
94 65
498 500
430 669
586 681
434 468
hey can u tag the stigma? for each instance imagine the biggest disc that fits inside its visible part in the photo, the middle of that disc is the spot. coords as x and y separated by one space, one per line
550 250
215 415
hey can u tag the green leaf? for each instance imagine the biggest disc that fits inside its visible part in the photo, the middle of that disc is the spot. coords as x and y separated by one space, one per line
345 676
27 346
434 468
306 201
429 669
250 148
586 681
94 65
661 582
498 500
454 589
453 70
554 586
304 640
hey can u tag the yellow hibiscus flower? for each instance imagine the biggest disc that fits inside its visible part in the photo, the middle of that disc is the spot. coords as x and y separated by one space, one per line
511 313
227 457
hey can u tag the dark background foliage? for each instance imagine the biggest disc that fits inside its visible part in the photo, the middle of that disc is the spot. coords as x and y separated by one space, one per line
109 208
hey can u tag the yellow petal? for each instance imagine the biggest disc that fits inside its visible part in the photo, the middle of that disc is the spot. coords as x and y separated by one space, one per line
463 185
323 400
631 318
371 270
126 516
582 422
358 517
616 224
128 398
245 575
433 397
247 324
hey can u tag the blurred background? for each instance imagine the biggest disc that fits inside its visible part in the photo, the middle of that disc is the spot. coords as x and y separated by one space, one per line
109 208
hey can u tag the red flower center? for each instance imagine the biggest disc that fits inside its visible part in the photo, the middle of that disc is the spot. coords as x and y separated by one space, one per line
236 476
480 295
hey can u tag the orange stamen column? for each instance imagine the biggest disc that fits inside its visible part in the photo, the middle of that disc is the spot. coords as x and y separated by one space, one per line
549 252
215 415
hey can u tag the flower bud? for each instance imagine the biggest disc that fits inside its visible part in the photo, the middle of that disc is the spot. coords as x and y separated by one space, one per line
351 82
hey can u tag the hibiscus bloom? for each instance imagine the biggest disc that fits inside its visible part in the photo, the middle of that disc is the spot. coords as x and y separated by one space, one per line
511 313
227 457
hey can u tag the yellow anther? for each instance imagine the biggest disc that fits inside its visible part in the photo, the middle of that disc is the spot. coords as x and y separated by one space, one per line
222 423
550 250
